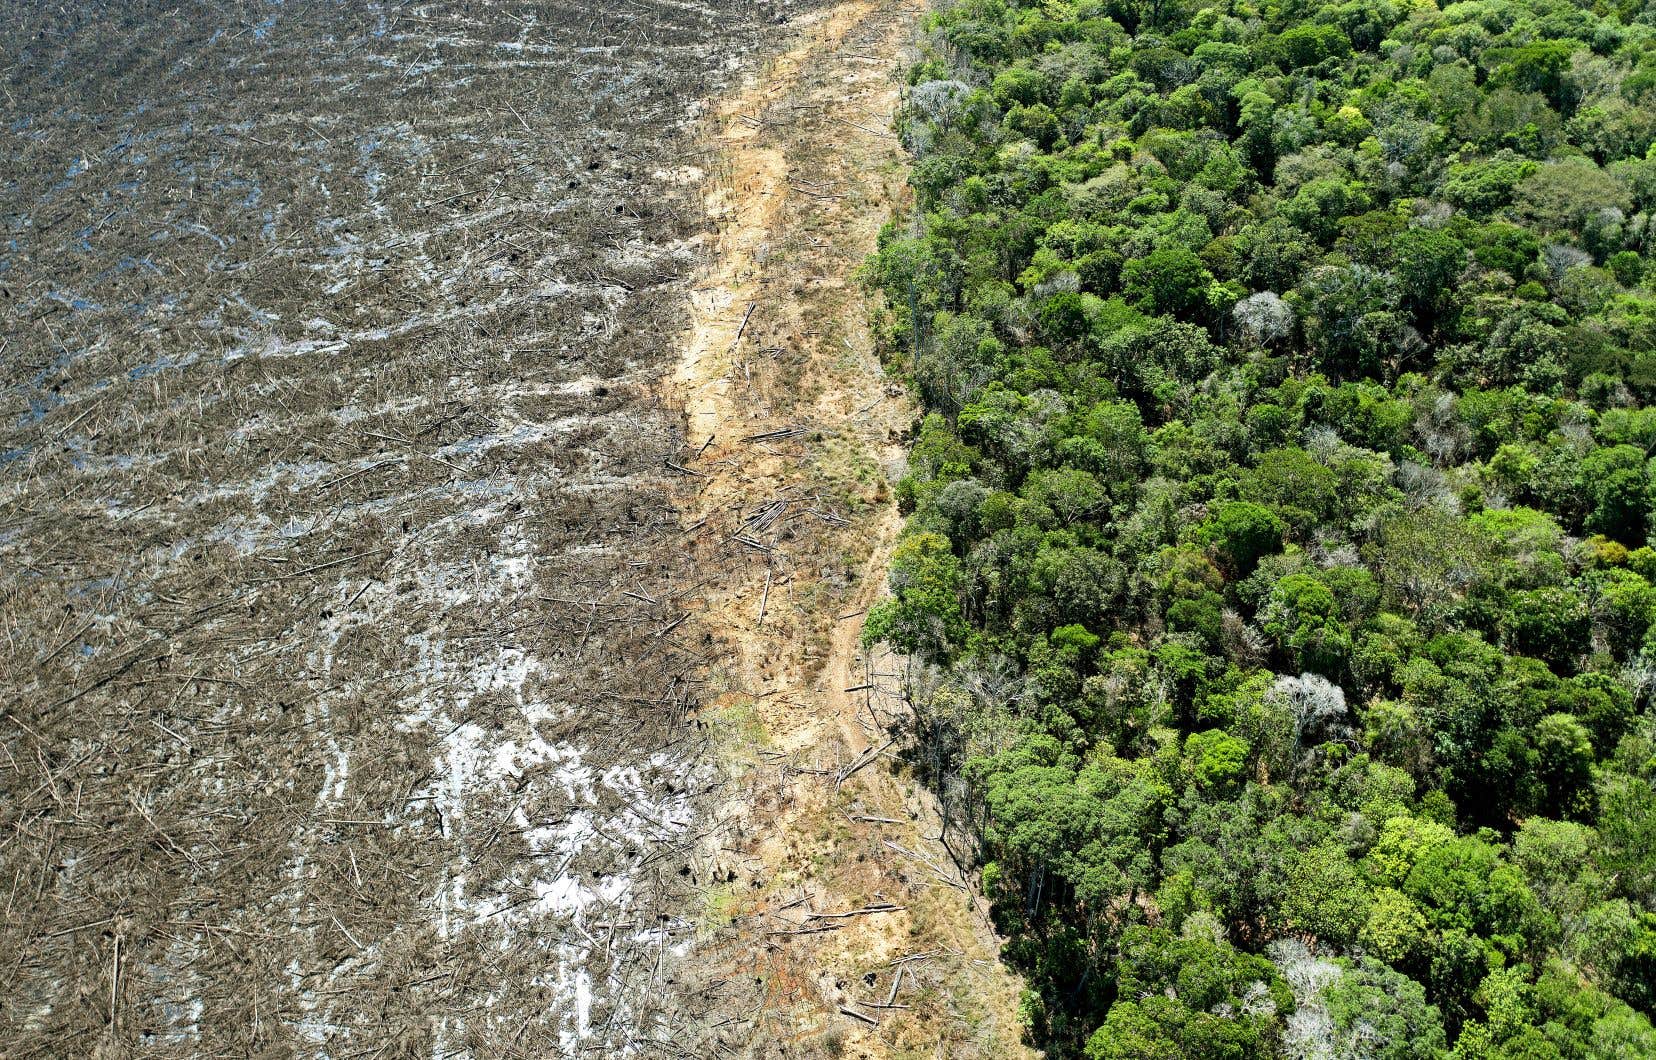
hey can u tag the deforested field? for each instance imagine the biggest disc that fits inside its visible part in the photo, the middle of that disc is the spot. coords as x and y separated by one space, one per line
343 696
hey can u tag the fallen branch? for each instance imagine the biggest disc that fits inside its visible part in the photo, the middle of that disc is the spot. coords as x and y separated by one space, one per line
674 624
751 543
743 329
923 955
781 432
926 862
878 907
862 760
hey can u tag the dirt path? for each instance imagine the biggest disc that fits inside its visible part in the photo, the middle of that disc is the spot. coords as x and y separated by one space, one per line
835 923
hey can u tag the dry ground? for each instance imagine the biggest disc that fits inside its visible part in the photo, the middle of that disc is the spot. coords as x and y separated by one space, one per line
838 924
399 657
344 698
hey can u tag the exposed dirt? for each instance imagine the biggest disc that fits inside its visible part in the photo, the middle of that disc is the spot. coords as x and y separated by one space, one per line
837 924
360 580
345 703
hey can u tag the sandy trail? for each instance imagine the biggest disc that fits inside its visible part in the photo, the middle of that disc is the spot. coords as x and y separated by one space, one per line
793 433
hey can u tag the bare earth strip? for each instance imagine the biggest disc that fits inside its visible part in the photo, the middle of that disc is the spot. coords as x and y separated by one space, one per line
837 924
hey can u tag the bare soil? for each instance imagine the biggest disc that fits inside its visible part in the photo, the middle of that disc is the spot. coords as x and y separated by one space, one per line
443 467
837 923
348 705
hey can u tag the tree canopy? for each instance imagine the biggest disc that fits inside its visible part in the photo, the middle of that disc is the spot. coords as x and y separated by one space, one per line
1282 512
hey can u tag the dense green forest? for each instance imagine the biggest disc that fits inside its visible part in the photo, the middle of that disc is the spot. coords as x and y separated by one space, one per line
1280 515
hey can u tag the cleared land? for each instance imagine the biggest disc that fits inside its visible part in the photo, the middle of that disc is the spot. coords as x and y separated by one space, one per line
837 922
346 689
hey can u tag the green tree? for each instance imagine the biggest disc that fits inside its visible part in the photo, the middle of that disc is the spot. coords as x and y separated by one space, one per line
1302 618
924 614
1326 897
1565 767
1613 480
1292 483
1396 930
1187 997
1217 760
1564 197
1384 1015
1428 263
1240 534
1168 281
1310 45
